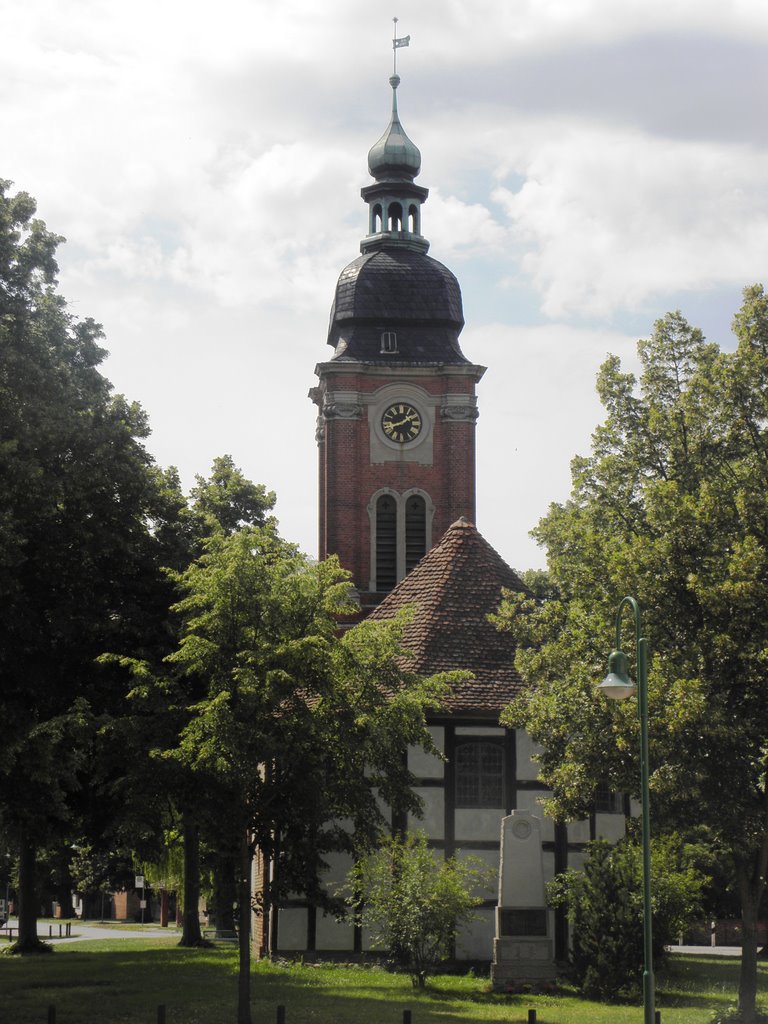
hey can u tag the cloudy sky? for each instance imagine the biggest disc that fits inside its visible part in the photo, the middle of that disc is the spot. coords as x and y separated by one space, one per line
591 165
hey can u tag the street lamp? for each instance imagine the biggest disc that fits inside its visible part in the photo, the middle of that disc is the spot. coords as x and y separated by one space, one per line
618 686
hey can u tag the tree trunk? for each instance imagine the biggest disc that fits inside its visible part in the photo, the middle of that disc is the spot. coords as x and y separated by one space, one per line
28 941
190 931
244 933
748 972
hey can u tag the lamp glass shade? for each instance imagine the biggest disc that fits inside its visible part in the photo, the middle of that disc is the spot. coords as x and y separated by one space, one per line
617 685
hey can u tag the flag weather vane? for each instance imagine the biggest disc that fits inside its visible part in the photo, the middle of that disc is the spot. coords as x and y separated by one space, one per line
396 44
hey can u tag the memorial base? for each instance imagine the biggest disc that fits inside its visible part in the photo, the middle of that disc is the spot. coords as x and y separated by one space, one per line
520 960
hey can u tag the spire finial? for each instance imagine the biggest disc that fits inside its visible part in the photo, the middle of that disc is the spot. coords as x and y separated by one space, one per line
396 44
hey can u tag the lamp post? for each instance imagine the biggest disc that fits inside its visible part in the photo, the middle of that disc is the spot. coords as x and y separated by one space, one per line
618 686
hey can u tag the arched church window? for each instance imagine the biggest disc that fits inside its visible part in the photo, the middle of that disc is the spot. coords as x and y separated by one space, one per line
401 534
413 219
415 530
479 774
389 341
376 218
395 217
386 542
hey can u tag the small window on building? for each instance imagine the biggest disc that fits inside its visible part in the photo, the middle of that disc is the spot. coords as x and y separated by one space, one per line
479 775
607 801
389 341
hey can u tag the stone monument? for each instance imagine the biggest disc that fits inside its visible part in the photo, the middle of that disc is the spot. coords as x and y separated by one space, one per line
522 948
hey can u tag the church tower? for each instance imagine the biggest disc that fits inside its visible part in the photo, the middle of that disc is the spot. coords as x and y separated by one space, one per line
396 400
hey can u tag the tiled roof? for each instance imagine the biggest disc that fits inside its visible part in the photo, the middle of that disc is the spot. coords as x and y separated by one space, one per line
452 589
392 289
398 284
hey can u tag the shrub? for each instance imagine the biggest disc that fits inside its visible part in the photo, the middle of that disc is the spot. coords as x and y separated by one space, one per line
605 910
413 902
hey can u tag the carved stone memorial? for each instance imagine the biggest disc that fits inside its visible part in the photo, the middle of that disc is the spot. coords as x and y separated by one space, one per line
522 948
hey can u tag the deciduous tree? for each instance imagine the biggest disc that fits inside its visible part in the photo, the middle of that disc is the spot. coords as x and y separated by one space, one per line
76 555
304 726
671 507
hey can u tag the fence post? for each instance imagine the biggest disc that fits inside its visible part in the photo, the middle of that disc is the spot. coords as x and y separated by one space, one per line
281 1015
657 1016
406 1017
531 1017
51 1015
161 1014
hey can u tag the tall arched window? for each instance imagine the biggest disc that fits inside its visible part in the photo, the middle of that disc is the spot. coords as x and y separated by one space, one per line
386 542
415 530
413 219
395 214
401 534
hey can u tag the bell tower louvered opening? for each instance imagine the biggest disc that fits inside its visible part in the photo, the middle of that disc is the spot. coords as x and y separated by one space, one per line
386 543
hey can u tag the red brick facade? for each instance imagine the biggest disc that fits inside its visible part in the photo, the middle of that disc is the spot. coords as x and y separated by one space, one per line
352 470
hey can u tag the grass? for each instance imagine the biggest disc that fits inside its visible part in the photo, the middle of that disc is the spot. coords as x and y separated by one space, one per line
123 982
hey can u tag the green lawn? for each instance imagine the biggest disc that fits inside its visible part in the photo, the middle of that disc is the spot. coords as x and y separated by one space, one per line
122 982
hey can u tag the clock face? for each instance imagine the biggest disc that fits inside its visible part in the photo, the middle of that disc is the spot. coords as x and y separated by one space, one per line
401 422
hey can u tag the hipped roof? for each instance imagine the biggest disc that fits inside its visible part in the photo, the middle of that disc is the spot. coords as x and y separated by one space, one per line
452 591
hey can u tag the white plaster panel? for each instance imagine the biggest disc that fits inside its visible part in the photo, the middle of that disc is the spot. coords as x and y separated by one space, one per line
526 748
383 806
548 864
433 820
343 823
491 859
576 859
333 934
478 823
292 928
609 826
529 800
424 765
475 940
578 831
480 730
339 865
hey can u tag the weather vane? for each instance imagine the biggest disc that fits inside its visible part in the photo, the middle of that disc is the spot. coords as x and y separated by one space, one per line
396 44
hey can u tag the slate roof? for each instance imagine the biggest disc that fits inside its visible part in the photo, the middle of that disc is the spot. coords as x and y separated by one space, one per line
453 588
401 290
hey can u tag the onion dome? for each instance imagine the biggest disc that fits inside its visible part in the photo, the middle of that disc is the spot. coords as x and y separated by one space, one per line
394 155
397 304
394 303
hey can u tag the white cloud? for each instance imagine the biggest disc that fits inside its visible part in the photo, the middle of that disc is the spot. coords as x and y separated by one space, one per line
612 218
538 409
206 165
458 227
